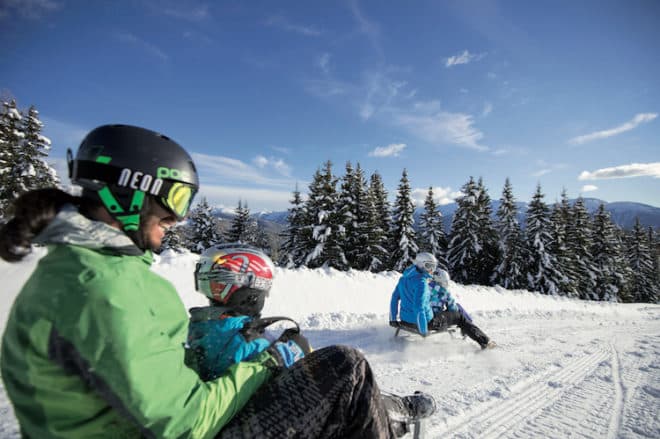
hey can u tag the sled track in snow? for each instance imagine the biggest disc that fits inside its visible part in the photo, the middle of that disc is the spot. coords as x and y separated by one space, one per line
587 388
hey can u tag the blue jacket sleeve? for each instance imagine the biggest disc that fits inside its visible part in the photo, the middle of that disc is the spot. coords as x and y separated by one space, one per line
423 306
216 344
394 303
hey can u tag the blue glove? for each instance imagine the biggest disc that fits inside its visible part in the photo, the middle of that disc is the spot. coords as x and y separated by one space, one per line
286 353
290 347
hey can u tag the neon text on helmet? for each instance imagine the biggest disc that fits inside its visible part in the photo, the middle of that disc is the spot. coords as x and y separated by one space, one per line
139 181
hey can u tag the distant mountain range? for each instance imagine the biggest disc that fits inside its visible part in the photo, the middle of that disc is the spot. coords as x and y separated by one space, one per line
623 214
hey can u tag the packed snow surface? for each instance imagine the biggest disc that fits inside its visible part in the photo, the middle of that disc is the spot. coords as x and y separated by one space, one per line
562 368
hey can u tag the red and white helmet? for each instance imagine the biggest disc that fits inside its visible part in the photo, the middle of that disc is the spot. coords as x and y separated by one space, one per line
235 275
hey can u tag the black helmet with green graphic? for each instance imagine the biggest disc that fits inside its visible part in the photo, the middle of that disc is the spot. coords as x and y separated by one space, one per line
123 165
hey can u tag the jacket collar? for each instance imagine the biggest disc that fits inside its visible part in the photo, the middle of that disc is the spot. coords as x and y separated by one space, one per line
70 227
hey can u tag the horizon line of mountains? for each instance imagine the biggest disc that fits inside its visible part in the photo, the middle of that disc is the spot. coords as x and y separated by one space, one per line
623 213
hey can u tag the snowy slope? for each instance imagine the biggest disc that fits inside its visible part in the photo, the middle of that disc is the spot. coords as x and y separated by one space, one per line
564 368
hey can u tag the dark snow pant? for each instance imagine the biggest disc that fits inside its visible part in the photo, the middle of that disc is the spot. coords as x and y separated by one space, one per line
331 393
443 319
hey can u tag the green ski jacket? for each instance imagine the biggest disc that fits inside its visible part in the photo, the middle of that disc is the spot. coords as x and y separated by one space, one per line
93 346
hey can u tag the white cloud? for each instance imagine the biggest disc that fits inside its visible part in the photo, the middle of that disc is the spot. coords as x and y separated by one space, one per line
441 195
435 126
283 23
391 150
274 163
261 199
589 188
627 126
463 58
260 161
232 170
623 171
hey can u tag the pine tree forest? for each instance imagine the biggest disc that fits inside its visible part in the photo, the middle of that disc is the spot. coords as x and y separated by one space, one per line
349 223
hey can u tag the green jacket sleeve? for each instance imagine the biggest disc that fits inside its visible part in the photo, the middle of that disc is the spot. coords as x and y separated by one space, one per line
130 333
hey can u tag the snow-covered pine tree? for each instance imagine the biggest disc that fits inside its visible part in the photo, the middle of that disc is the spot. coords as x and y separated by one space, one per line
464 247
403 233
239 224
559 220
640 260
579 235
487 235
202 228
361 242
543 275
432 236
654 249
348 213
173 239
35 151
22 152
291 252
325 222
510 271
607 254
255 235
380 223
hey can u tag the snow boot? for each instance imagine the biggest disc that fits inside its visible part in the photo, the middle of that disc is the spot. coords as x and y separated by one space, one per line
408 409
490 345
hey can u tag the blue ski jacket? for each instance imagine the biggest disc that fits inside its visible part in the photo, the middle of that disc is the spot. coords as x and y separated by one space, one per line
215 341
414 293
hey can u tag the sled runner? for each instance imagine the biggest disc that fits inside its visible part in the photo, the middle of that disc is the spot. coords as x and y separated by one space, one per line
412 328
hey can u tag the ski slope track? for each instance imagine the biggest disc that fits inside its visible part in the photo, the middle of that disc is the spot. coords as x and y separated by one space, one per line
552 375
562 369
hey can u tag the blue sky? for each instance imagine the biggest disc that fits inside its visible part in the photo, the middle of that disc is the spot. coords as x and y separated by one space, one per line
561 93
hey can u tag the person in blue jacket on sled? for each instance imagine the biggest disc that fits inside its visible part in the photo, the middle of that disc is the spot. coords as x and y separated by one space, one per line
426 303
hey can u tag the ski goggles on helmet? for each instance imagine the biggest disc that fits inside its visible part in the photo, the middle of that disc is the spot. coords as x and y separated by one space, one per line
178 199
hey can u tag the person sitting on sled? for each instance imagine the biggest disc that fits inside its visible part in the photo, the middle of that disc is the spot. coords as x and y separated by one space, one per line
411 302
236 278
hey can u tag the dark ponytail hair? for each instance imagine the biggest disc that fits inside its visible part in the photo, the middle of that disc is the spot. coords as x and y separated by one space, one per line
33 211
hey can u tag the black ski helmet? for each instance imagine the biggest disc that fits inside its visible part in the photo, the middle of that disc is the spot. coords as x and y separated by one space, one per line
121 165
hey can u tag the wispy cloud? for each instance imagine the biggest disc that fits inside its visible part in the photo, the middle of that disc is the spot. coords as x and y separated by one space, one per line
277 164
589 188
488 108
129 38
323 62
30 9
441 195
194 14
391 150
233 170
627 126
283 23
427 121
367 27
281 149
227 197
326 88
546 168
463 58
623 171
381 91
